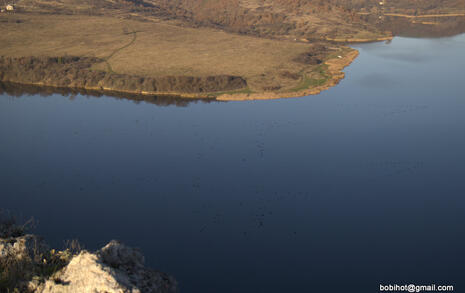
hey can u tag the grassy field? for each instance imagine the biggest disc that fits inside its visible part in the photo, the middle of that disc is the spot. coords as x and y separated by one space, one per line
156 48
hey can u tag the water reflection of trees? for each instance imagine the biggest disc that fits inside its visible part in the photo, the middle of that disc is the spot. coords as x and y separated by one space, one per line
19 90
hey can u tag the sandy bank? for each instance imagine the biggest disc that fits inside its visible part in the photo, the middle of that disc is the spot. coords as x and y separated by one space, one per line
360 40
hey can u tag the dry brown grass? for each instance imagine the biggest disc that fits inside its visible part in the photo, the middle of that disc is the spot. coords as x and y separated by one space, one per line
19 269
159 49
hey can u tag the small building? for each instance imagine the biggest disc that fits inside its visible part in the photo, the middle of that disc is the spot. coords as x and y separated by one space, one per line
9 7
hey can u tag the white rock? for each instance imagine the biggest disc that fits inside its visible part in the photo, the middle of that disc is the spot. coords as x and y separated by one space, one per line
116 268
87 274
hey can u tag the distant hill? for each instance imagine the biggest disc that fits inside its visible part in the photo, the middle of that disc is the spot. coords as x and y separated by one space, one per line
228 49
316 19
271 18
275 18
289 19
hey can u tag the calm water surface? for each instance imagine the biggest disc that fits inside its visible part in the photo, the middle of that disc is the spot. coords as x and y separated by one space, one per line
361 185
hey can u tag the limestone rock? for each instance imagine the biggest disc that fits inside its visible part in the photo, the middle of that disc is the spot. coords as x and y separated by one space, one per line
116 254
86 273
116 268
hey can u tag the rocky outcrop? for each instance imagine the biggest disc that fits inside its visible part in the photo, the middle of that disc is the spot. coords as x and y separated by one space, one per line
116 268
28 265
76 72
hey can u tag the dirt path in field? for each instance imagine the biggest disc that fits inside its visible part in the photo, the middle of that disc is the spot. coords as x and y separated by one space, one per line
107 59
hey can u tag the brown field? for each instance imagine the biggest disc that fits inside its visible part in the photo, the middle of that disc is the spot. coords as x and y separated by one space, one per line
155 49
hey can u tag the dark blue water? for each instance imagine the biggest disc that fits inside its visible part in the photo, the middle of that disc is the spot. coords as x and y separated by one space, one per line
361 185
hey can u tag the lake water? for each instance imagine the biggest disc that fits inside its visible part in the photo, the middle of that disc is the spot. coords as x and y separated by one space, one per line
361 185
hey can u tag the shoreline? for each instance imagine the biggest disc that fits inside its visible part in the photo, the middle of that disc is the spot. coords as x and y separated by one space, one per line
75 73
105 90
265 69
334 69
356 40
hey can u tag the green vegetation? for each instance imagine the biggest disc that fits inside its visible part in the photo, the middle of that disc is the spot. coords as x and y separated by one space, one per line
307 82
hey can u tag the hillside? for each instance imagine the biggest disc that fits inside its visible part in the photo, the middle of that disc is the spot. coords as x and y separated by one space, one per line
284 19
133 56
272 18
205 48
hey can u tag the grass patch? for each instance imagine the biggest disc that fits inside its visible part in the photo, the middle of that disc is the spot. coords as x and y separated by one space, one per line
307 82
